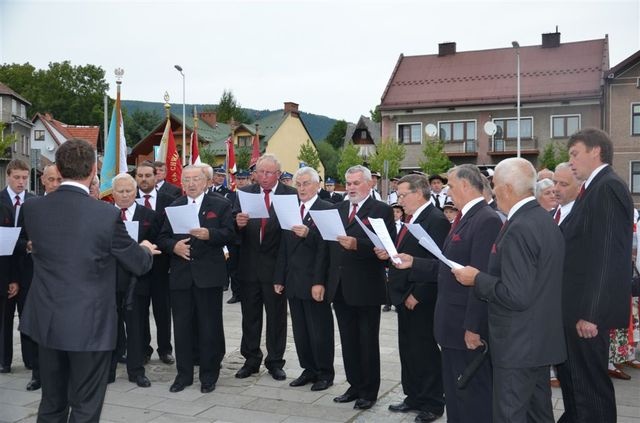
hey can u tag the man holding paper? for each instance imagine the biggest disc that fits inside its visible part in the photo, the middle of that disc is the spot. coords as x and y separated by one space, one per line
301 274
414 292
357 288
198 274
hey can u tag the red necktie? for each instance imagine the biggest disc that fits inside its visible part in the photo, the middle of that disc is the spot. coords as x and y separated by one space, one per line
263 222
17 203
353 213
403 230
123 214
581 193
302 211
455 222
147 203
556 217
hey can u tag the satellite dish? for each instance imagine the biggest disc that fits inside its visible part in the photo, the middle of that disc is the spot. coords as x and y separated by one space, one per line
490 128
431 130
50 148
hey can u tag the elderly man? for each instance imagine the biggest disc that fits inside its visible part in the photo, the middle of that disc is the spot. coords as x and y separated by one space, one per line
50 178
198 273
597 274
94 188
259 243
414 294
522 286
566 187
356 287
301 274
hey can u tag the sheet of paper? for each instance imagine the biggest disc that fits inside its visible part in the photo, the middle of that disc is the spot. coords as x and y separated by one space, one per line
253 204
372 235
328 223
381 230
430 245
287 209
8 239
132 229
183 218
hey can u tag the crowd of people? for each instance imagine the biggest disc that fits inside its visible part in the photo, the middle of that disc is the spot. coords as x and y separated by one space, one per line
537 278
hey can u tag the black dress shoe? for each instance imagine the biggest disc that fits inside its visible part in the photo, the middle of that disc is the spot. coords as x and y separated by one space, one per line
205 388
233 300
363 404
178 386
426 416
245 372
346 397
278 374
403 407
167 358
321 385
33 385
141 380
111 378
122 359
5 369
302 380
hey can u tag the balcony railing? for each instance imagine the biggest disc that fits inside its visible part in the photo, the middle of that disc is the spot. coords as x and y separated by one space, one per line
460 147
511 145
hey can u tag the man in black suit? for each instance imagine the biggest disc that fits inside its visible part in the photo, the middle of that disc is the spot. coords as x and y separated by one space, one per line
13 197
597 271
301 274
357 289
198 273
414 292
522 286
566 187
461 318
163 186
132 294
259 244
8 285
151 199
70 312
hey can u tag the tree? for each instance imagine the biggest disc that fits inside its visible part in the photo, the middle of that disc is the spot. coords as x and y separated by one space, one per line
6 140
548 158
435 159
376 116
349 157
309 155
562 153
391 151
228 108
243 157
138 124
207 156
335 137
329 157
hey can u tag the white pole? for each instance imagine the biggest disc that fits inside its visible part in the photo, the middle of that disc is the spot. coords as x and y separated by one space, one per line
184 117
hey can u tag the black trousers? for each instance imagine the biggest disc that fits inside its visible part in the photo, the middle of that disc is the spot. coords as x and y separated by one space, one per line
472 404
73 385
204 306
312 324
28 346
159 300
134 328
254 296
359 334
522 395
587 390
420 359
232 268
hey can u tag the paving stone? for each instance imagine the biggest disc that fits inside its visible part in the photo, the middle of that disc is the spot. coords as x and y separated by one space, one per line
13 413
116 413
241 416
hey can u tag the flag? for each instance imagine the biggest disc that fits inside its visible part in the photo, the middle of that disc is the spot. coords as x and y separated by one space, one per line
115 151
231 164
162 148
172 159
255 152
195 154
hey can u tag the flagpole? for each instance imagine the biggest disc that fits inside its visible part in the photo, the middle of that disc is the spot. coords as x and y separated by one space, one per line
119 73
195 129
226 159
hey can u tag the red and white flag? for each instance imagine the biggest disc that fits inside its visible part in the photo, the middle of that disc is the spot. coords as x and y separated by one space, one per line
231 164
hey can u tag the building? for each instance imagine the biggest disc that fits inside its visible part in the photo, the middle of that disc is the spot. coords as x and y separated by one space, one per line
13 116
48 134
365 134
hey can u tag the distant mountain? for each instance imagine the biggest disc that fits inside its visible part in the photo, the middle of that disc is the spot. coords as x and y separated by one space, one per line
317 125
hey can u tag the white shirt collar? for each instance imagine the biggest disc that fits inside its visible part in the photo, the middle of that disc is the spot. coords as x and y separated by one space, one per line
309 204
593 175
153 193
77 185
519 204
273 190
198 200
129 211
565 210
418 211
470 204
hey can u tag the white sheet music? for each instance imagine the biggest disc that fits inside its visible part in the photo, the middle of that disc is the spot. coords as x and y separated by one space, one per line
132 229
383 233
328 223
183 218
372 235
287 209
8 239
430 245
253 205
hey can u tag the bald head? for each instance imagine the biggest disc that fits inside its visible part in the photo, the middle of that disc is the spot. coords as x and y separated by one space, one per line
566 184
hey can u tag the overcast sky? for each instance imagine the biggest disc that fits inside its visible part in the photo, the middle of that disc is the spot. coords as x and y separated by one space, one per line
332 57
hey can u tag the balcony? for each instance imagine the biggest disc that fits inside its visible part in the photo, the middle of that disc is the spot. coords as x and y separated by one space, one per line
509 147
467 148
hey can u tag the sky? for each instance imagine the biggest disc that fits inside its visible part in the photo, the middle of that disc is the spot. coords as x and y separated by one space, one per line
332 57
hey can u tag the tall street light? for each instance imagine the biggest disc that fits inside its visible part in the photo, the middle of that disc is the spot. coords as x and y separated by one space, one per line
517 47
184 117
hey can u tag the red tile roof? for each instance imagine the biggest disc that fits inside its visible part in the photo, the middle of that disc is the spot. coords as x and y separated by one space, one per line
570 71
90 134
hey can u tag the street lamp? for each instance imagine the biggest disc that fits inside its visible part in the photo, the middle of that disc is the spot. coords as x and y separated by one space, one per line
184 117
517 47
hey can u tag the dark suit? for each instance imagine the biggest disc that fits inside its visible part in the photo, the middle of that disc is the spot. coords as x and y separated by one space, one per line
595 288
7 272
458 310
302 263
522 287
256 267
196 289
71 308
357 289
171 190
419 353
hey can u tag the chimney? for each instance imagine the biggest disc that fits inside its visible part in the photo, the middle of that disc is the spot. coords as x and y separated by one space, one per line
551 39
210 118
291 107
446 49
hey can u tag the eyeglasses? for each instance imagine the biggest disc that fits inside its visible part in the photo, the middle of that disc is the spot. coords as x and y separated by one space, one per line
266 172
404 194
304 184
189 180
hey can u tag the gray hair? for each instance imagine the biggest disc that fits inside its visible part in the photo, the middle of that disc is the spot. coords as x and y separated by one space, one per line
563 165
208 171
417 183
519 173
469 173
542 185
200 167
124 177
359 168
267 157
307 171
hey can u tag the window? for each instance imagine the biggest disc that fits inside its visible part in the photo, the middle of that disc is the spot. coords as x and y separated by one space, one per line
363 134
564 126
635 119
635 177
508 128
38 135
410 133
457 131
245 141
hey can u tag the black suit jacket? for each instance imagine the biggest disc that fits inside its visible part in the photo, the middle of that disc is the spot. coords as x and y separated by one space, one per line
7 271
77 242
7 201
421 280
597 266
207 267
303 262
257 261
523 287
458 308
360 273
171 190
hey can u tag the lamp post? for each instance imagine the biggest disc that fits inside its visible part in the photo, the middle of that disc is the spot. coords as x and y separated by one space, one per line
517 47
184 117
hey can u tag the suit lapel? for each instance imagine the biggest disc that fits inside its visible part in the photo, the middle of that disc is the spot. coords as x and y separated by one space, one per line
424 214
